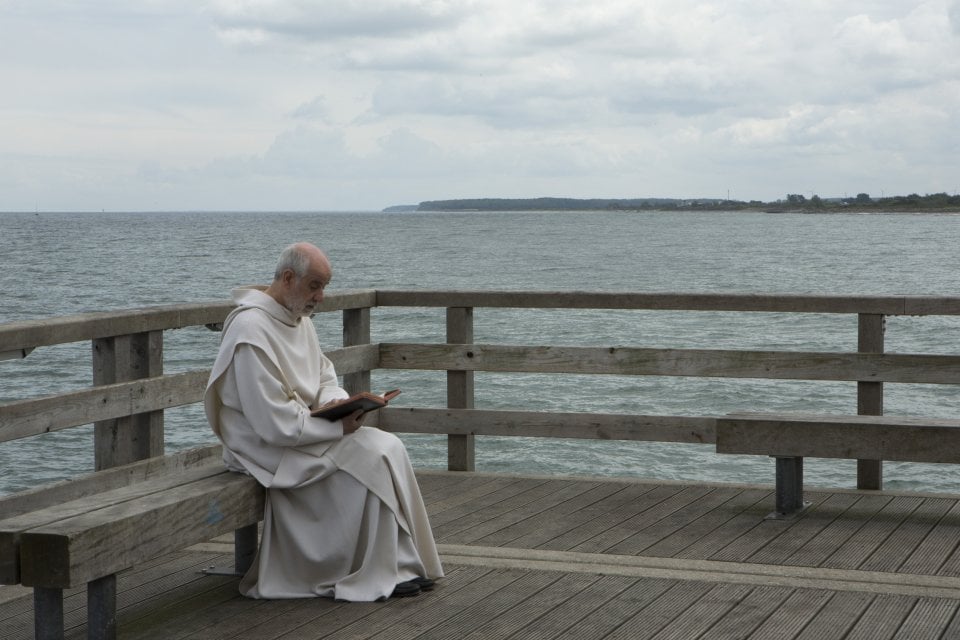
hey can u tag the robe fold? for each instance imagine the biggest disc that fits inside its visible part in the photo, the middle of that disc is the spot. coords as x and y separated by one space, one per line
344 517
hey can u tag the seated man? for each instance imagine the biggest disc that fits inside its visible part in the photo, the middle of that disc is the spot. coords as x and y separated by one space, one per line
344 517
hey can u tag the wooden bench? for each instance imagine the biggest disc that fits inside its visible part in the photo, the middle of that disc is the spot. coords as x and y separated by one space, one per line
54 538
789 437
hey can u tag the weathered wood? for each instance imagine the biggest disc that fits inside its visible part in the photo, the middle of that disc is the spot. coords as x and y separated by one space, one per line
136 436
824 589
907 439
63 491
13 528
356 331
870 339
596 426
76 550
91 326
886 305
780 365
461 448
105 402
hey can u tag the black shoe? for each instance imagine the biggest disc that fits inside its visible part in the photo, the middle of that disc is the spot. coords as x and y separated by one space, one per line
406 589
425 584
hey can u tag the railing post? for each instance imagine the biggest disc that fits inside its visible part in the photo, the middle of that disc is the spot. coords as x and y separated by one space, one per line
121 359
870 334
356 331
460 448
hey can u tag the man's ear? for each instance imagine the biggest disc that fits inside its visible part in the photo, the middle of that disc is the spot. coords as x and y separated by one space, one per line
288 277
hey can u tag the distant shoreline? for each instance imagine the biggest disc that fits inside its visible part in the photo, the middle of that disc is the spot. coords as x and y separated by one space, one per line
936 203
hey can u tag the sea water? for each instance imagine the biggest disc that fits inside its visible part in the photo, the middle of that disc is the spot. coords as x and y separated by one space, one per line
55 264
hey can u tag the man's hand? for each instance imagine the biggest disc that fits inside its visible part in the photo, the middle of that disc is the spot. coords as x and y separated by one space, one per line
353 421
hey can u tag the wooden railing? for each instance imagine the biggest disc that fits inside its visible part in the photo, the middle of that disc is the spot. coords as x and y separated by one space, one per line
131 391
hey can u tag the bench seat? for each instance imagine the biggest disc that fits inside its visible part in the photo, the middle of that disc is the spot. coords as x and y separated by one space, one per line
789 437
58 500
90 539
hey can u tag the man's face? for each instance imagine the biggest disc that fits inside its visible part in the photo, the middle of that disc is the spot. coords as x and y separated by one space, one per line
305 293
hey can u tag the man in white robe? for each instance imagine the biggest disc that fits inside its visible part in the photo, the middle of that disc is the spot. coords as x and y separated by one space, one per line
344 517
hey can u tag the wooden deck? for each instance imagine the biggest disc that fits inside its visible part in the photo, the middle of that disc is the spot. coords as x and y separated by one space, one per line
578 558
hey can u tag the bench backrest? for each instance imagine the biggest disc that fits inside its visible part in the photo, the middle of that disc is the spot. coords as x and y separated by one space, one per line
899 438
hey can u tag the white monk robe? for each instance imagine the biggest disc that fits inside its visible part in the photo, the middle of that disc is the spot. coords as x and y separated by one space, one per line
344 516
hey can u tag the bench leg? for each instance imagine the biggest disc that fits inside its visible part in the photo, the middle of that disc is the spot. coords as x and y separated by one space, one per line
102 608
244 548
244 551
48 613
789 493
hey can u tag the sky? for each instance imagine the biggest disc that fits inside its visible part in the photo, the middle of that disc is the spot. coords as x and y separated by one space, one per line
142 105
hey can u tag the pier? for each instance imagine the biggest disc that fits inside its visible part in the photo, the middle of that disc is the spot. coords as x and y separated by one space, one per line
527 556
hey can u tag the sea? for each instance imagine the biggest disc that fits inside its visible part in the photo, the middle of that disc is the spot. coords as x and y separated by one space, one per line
55 264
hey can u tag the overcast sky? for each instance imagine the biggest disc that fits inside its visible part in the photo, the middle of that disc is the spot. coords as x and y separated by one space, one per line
362 104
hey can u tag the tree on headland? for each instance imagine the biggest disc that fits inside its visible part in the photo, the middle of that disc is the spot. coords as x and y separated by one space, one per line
793 202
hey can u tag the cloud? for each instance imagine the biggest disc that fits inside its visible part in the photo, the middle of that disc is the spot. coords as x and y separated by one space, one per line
306 20
334 103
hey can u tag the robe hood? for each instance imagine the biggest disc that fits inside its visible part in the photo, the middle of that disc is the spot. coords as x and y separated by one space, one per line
247 298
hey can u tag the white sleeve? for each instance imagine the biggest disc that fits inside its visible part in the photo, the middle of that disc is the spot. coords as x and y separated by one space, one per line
279 419
330 389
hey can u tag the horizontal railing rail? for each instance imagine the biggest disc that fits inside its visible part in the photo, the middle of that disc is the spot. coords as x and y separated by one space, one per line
786 303
703 363
130 390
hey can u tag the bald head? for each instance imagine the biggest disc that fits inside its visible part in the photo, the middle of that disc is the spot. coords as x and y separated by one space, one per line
303 272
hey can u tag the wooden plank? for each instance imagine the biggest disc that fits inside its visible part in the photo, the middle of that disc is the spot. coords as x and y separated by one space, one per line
609 512
466 513
561 518
835 618
907 439
542 424
842 528
100 481
928 618
900 544
882 618
427 621
90 326
60 411
750 612
480 523
535 518
482 618
632 361
365 620
557 594
871 535
356 332
700 617
705 525
135 436
753 532
12 529
461 448
796 613
943 540
804 529
886 305
658 531
72 551
642 610
63 410
648 509
870 338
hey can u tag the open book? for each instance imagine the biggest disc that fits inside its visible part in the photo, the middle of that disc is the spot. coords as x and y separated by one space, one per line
364 401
